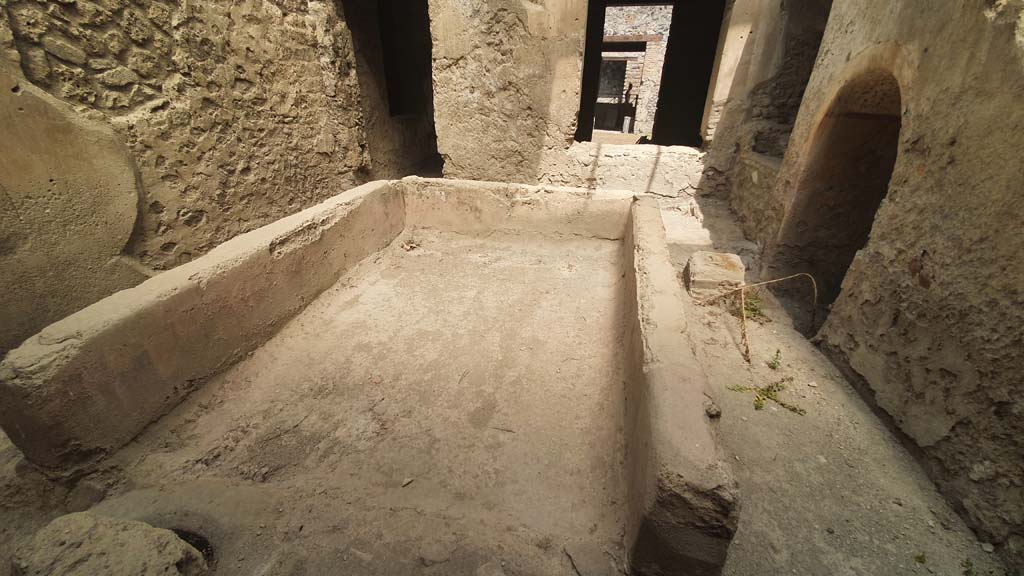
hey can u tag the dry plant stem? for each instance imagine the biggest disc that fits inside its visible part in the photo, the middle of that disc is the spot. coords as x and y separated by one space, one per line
741 289
743 305
743 326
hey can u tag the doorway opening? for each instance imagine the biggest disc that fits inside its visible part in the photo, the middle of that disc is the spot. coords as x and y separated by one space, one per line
406 45
647 70
853 153
392 46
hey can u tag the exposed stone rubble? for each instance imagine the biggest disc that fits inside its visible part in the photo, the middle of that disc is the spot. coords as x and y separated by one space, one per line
85 544
709 274
235 114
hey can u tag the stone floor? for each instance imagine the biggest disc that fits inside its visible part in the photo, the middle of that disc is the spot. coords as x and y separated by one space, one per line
831 491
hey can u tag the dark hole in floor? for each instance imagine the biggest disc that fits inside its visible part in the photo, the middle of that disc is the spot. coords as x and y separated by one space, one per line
199 543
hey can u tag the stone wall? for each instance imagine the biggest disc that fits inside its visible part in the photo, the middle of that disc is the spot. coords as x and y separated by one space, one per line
635 69
507 91
631 20
931 309
749 55
506 85
752 178
767 50
231 115
667 171
235 113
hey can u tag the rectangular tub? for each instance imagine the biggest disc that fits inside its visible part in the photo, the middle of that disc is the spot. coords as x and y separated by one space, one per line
530 338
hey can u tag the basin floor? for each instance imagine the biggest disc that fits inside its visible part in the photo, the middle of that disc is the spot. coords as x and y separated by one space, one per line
452 405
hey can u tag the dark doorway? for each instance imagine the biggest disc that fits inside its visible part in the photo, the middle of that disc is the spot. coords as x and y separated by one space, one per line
689 63
392 46
611 115
665 53
853 153
405 40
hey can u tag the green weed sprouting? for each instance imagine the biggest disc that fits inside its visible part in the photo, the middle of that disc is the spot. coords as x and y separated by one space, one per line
770 392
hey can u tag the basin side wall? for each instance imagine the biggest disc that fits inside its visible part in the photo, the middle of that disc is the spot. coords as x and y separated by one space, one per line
637 431
88 384
684 502
474 207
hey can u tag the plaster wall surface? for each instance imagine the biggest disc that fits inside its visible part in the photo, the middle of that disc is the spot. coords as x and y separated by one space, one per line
506 96
766 52
930 311
71 175
87 384
507 84
669 171
730 76
222 117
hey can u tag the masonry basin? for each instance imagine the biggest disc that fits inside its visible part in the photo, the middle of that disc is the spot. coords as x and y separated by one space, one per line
507 361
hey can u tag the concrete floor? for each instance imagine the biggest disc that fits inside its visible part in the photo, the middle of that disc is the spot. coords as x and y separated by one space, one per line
454 408
831 492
